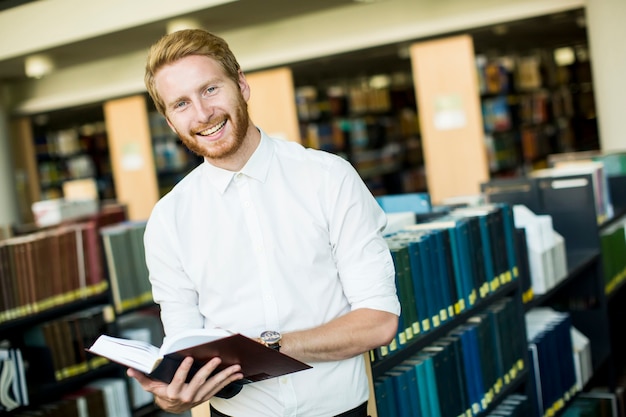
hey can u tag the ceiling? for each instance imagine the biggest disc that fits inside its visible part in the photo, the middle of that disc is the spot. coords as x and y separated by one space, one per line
518 37
548 31
221 18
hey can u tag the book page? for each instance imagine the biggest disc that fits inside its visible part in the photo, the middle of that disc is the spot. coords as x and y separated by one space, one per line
133 353
191 337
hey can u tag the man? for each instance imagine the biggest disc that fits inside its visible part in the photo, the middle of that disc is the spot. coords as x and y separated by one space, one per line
264 235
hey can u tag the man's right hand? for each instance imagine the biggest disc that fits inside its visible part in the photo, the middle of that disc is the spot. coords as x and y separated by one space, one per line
178 396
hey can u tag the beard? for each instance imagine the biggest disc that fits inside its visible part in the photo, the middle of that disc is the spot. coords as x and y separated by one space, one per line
225 147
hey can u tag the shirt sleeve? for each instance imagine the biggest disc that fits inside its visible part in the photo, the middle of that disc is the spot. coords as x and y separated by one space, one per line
171 287
361 253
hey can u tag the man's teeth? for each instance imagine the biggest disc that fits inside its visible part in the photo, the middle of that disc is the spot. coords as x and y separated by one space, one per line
213 130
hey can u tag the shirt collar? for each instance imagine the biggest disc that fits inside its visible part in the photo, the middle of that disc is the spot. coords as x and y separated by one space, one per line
257 166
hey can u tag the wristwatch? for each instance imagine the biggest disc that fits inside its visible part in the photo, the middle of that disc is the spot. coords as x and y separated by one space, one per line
271 339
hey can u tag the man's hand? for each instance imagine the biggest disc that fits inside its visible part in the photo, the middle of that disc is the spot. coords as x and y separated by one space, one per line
178 396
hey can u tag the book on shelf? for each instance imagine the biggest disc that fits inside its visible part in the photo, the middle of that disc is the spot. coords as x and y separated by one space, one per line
124 254
545 247
47 268
552 357
13 389
258 362
55 349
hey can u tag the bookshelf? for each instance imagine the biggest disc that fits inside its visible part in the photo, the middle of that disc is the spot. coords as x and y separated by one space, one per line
585 294
55 300
371 120
536 102
481 328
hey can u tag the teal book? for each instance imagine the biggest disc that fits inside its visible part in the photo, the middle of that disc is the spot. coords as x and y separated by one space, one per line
383 392
422 303
404 283
459 379
459 256
465 255
443 267
487 353
432 389
445 376
471 366
410 373
433 292
422 384
401 394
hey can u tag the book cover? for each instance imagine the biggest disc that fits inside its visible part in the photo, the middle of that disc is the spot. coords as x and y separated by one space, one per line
258 362
410 374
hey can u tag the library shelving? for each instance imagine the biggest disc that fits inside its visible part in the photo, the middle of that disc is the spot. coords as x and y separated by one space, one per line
172 159
536 103
461 296
72 145
372 122
593 300
56 301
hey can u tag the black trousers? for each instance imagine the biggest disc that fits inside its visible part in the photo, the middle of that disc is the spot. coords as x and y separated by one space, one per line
360 411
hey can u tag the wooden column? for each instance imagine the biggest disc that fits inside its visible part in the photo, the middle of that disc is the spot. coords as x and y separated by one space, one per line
272 103
25 167
132 159
446 87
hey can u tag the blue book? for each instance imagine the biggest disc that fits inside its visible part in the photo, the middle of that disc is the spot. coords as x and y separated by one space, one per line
411 376
400 393
422 384
433 292
471 364
432 388
383 392
459 385
422 303
407 202
443 277
459 246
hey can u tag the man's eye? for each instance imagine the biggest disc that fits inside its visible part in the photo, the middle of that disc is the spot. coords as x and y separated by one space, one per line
179 105
210 90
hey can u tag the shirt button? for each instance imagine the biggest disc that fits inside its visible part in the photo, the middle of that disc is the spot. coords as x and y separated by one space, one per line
283 380
247 204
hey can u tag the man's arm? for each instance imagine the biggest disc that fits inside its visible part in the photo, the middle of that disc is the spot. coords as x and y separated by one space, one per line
344 337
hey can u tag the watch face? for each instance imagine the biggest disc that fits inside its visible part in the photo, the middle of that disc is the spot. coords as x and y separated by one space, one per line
270 337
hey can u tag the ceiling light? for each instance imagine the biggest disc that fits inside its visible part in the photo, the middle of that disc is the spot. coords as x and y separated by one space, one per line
564 56
36 66
182 24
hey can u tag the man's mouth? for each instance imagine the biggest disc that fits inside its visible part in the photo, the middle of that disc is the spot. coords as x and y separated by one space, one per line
212 130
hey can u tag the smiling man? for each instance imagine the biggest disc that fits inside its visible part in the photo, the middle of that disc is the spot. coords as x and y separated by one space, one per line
263 238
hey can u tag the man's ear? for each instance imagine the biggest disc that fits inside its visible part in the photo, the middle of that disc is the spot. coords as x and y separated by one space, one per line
244 86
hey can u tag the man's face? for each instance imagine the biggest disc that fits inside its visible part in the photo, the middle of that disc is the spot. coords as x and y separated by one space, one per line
204 106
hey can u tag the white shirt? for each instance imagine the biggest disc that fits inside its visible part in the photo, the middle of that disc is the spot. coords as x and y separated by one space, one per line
290 242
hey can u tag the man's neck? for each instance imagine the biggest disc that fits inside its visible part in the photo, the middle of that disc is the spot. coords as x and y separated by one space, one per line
239 159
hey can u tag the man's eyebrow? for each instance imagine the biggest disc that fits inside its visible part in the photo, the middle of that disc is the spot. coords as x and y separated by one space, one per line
176 100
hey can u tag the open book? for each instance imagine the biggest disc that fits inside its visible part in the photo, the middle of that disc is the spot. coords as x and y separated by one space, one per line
258 362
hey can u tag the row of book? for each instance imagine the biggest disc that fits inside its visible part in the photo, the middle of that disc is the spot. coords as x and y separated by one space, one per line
444 266
124 254
107 397
55 350
51 267
13 390
461 373
553 359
